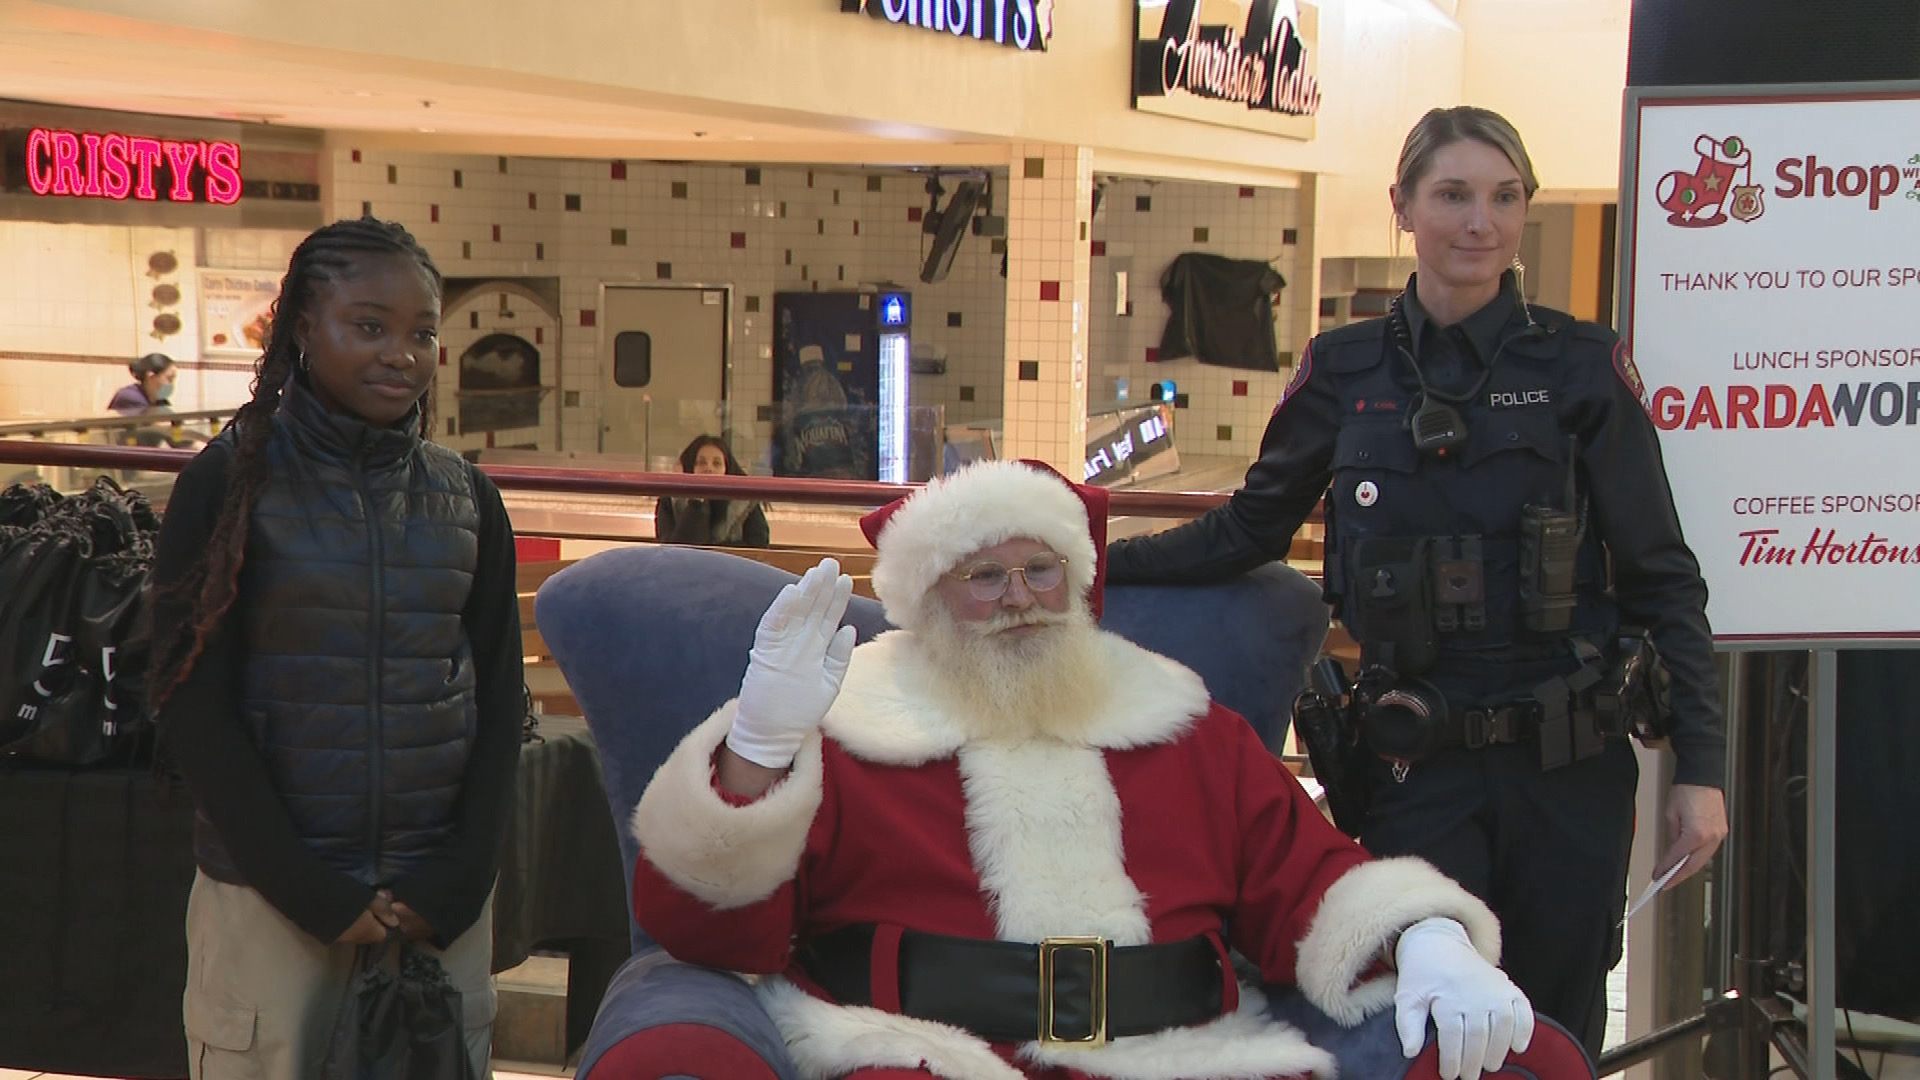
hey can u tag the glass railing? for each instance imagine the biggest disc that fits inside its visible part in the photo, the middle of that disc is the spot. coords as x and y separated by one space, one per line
827 439
152 430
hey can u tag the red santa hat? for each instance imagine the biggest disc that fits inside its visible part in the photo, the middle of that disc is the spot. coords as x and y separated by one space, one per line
927 533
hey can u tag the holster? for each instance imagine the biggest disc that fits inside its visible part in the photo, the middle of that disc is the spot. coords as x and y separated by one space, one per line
1326 729
1636 697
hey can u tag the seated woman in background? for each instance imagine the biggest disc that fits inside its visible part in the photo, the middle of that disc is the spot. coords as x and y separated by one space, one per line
719 522
152 386
153 376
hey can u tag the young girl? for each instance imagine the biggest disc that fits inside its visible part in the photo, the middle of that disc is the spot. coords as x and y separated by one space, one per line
338 673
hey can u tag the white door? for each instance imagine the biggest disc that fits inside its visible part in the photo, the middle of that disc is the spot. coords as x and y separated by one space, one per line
663 368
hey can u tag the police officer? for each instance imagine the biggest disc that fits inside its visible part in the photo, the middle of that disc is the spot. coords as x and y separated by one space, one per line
1497 511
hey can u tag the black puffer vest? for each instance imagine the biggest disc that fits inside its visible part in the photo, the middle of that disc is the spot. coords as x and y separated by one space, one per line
359 676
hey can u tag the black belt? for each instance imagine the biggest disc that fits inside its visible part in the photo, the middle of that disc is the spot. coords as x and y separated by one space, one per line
1065 991
1502 725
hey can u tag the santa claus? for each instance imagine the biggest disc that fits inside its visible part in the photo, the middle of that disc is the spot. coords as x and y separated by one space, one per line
999 842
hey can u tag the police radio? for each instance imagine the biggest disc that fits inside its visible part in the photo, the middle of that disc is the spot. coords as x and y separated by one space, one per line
1434 421
1437 427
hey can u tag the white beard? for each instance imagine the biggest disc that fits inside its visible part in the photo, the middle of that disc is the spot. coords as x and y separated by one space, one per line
1045 684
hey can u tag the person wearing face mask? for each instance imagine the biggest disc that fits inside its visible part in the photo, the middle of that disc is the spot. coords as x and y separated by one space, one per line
1502 543
719 522
153 376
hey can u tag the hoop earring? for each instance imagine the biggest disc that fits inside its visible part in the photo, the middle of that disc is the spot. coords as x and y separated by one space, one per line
300 361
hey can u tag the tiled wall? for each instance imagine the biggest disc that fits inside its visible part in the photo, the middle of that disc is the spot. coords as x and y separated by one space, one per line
1141 227
1047 286
77 302
759 229
573 225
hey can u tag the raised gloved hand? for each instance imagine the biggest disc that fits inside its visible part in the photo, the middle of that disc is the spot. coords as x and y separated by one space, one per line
1481 1016
799 657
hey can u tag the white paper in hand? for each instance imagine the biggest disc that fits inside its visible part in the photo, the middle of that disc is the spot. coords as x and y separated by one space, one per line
1653 889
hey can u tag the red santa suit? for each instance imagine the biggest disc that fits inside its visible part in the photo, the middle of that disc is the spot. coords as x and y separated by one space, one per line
1167 820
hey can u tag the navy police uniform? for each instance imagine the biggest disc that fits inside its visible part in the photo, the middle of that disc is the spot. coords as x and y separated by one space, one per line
1554 416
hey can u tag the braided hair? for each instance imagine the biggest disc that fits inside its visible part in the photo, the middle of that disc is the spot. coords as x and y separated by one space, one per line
211 586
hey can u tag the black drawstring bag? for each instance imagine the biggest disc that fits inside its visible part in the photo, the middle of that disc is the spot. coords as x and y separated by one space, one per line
398 1027
73 574
23 504
42 568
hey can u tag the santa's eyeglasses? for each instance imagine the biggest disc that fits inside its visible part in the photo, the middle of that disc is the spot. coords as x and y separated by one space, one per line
988 581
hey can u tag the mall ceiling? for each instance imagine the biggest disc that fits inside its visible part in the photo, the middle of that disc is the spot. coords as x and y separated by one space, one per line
115 64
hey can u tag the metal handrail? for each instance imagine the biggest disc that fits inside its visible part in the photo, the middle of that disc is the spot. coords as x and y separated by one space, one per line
112 423
577 481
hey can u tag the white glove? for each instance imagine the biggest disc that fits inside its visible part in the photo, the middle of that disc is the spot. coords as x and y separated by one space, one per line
799 657
1480 1014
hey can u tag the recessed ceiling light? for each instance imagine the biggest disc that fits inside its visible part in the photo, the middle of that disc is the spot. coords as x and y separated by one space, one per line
424 131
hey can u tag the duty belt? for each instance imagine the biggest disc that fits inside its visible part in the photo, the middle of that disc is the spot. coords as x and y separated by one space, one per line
1502 725
1064 991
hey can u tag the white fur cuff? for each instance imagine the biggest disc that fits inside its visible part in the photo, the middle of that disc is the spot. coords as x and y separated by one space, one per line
1357 921
828 1041
727 856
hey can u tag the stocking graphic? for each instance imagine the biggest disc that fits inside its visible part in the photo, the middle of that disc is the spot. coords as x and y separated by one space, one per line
1698 199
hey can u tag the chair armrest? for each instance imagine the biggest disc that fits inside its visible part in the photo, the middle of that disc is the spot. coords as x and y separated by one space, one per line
1372 1047
663 1018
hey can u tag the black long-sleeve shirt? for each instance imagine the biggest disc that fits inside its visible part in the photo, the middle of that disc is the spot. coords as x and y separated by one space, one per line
1656 579
203 726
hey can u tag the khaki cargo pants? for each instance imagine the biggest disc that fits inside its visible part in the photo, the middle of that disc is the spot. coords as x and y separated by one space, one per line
262 996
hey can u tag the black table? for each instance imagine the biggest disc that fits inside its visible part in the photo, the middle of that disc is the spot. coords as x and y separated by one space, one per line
95 866
562 887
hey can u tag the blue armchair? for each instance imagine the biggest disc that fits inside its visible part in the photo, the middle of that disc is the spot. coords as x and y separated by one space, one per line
653 639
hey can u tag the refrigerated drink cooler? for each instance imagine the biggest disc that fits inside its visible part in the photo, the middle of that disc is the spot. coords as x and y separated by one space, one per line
842 364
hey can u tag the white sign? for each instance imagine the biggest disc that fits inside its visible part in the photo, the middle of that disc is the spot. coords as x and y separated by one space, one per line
1773 286
236 311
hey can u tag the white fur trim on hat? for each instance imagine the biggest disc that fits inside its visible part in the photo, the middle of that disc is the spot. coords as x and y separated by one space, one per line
983 504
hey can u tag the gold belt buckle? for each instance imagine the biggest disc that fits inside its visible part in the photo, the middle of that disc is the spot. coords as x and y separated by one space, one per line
1097 948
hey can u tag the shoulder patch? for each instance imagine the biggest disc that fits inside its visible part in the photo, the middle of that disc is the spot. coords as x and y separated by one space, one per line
1301 372
1630 375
